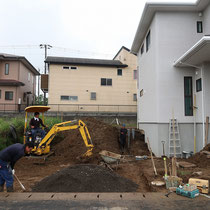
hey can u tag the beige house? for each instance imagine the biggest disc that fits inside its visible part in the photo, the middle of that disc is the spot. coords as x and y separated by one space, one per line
80 84
17 82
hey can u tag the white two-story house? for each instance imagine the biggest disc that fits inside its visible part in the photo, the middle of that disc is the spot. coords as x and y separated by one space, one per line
173 46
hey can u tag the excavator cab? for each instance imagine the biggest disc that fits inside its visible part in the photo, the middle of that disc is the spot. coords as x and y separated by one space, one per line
42 146
27 131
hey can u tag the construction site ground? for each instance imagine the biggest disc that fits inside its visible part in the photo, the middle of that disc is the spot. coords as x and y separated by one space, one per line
67 154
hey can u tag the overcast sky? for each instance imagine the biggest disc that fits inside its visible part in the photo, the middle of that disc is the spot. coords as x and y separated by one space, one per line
75 28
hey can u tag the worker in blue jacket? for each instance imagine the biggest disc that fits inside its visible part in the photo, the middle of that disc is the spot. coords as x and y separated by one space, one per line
8 157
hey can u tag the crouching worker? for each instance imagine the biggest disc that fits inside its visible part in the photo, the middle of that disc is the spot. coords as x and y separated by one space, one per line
35 126
8 157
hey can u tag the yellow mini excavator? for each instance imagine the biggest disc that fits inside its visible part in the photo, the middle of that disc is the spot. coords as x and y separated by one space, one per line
42 146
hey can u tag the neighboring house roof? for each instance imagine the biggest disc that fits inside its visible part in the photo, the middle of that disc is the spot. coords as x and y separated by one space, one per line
151 8
123 47
10 82
84 61
9 57
196 55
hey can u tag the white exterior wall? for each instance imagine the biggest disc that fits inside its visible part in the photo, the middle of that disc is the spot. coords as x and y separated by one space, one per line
147 104
176 34
206 22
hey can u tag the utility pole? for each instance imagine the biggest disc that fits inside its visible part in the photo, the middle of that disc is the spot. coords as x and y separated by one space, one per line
46 47
38 85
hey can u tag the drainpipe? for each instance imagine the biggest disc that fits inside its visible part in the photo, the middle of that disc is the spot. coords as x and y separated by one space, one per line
194 113
203 105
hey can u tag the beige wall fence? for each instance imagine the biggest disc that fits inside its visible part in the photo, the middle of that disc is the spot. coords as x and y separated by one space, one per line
75 108
96 108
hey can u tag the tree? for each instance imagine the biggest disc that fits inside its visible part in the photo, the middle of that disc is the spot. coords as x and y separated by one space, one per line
40 100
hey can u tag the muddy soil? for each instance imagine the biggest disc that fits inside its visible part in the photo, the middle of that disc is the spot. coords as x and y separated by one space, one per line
105 137
85 178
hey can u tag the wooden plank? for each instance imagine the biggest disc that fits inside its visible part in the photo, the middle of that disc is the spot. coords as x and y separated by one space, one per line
173 164
153 163
206 130
184 164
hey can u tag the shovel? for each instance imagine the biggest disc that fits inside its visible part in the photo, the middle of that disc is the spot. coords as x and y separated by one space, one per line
23 188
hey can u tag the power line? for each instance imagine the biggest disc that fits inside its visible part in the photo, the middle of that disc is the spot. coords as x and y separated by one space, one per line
55 48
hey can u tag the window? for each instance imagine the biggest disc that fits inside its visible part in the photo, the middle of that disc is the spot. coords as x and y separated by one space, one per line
198 85
73 98
29 76
199 27
65 67
148 41
106 82
142 49
32 79
0 94
119 72
188 98
6 69
64 98
109 82
134 74
93 96
70 67
69 98
103 81
8 95
135 97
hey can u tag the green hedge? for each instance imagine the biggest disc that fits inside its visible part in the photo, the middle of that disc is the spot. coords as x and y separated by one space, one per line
6 138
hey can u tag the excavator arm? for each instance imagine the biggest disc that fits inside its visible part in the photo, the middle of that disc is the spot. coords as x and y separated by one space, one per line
44 145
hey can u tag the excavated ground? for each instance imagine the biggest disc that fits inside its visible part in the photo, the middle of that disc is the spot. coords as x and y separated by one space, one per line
65 169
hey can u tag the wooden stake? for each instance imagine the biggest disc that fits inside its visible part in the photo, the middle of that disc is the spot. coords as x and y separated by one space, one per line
206 130
165 166
173 165
153 163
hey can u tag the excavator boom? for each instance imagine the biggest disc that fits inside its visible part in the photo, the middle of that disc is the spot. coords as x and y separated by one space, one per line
44 145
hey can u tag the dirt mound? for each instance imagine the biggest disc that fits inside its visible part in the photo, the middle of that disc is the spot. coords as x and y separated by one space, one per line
85 178
104 137
206 148
201 159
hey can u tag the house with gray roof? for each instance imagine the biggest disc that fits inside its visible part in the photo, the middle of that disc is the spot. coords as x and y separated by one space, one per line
93 85
172 42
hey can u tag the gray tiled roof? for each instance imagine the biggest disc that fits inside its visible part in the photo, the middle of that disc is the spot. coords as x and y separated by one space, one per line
84 61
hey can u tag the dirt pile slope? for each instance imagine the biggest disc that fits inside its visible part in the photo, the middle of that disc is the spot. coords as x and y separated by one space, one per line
201 159
85 178
104 137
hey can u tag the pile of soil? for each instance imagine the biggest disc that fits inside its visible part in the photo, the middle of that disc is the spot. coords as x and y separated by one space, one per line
85 178
201 159
104 137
